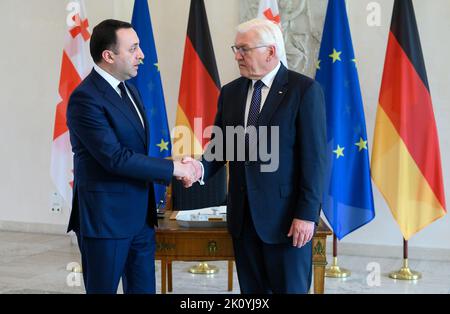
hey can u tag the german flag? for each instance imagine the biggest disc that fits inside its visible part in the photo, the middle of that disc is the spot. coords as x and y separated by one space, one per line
199 86
406 162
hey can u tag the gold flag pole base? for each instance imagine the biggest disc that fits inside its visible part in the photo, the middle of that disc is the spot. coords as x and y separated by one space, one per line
204 269
74 268
334 271
405 273
77 269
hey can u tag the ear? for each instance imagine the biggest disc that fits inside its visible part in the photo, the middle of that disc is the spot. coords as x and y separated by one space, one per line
107 55
272 52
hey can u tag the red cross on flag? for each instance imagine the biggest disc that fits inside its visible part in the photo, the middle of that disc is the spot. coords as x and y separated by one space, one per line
75 66
268 9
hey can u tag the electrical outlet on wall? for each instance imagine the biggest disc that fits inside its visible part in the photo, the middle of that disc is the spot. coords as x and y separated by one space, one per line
56 203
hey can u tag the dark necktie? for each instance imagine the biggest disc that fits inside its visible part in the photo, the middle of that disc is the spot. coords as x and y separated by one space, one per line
253 113
126 99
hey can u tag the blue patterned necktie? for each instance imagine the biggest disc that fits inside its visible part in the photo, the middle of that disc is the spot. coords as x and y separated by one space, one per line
255 104
255 108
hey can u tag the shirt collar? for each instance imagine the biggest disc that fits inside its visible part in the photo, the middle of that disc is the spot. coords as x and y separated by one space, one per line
108 77
269 77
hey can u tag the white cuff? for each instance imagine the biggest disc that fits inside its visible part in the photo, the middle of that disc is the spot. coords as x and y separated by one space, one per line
200 181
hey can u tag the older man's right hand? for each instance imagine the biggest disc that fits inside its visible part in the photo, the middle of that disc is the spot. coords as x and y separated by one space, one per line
188 170
198 171
184 171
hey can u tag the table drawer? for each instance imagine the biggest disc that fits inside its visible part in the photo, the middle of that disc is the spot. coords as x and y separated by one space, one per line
188 246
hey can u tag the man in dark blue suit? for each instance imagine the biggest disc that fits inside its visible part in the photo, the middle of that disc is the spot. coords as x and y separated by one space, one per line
271 213
113 210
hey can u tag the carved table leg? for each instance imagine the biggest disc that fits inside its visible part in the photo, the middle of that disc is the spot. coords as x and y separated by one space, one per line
230 275
163 275
319 279
169 276
319 262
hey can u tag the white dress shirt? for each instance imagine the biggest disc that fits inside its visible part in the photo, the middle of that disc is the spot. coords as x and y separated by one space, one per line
115 85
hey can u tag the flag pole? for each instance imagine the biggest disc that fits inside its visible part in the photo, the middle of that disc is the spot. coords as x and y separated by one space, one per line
405 273
334 271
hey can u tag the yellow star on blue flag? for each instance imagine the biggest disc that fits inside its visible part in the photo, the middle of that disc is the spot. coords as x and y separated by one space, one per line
163 145
362 144
336 55
339 151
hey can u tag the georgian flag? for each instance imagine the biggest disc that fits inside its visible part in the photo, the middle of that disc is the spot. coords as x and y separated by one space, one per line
268 9
76 65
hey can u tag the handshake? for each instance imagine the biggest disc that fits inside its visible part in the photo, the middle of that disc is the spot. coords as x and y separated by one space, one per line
188 170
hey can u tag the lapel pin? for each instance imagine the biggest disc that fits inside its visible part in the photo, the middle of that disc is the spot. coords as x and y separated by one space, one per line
280 92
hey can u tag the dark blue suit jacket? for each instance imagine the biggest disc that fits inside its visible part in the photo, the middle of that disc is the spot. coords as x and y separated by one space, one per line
113 193
295 104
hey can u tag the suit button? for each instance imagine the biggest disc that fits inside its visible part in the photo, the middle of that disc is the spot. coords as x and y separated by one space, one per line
247 163
242 189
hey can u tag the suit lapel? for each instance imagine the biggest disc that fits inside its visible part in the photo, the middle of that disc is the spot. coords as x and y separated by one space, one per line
242 102
143 112
275 96
113 97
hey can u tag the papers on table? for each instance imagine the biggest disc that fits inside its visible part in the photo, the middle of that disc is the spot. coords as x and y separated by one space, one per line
205 217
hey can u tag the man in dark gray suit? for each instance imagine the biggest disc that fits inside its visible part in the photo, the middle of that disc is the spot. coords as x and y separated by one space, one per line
271 215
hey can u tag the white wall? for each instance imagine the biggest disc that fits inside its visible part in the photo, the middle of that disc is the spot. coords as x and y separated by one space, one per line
32 34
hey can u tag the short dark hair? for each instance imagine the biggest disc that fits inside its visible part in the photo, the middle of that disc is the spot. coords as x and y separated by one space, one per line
104 37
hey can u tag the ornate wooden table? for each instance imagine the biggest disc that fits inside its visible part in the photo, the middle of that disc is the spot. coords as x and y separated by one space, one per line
175 243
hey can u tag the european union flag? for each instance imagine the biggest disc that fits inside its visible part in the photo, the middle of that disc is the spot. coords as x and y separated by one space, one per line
348 199
148 82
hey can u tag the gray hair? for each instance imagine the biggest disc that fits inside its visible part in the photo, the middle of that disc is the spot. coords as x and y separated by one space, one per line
269 33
